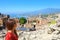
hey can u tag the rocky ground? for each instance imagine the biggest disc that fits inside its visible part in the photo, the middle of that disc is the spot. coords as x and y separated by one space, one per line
45 33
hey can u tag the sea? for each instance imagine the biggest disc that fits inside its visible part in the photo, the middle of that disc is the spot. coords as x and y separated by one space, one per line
17 16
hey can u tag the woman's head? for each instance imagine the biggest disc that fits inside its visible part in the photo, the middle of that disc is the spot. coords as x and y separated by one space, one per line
10 24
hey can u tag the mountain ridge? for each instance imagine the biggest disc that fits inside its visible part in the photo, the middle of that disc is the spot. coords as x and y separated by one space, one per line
34 13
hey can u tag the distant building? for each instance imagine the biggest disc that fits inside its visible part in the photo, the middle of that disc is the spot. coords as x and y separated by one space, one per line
3 19
1 22
37 21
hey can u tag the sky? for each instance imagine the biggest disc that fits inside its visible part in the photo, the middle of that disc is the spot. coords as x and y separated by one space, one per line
27 5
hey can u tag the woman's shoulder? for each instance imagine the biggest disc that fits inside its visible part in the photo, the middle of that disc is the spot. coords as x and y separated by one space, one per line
9 34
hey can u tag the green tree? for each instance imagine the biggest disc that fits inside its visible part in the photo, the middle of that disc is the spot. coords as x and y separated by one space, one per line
22 20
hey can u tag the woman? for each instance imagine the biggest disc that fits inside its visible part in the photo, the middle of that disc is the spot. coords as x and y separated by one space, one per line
11 26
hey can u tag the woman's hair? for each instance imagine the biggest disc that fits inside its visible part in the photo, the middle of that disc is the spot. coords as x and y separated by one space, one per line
10 24
15 33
